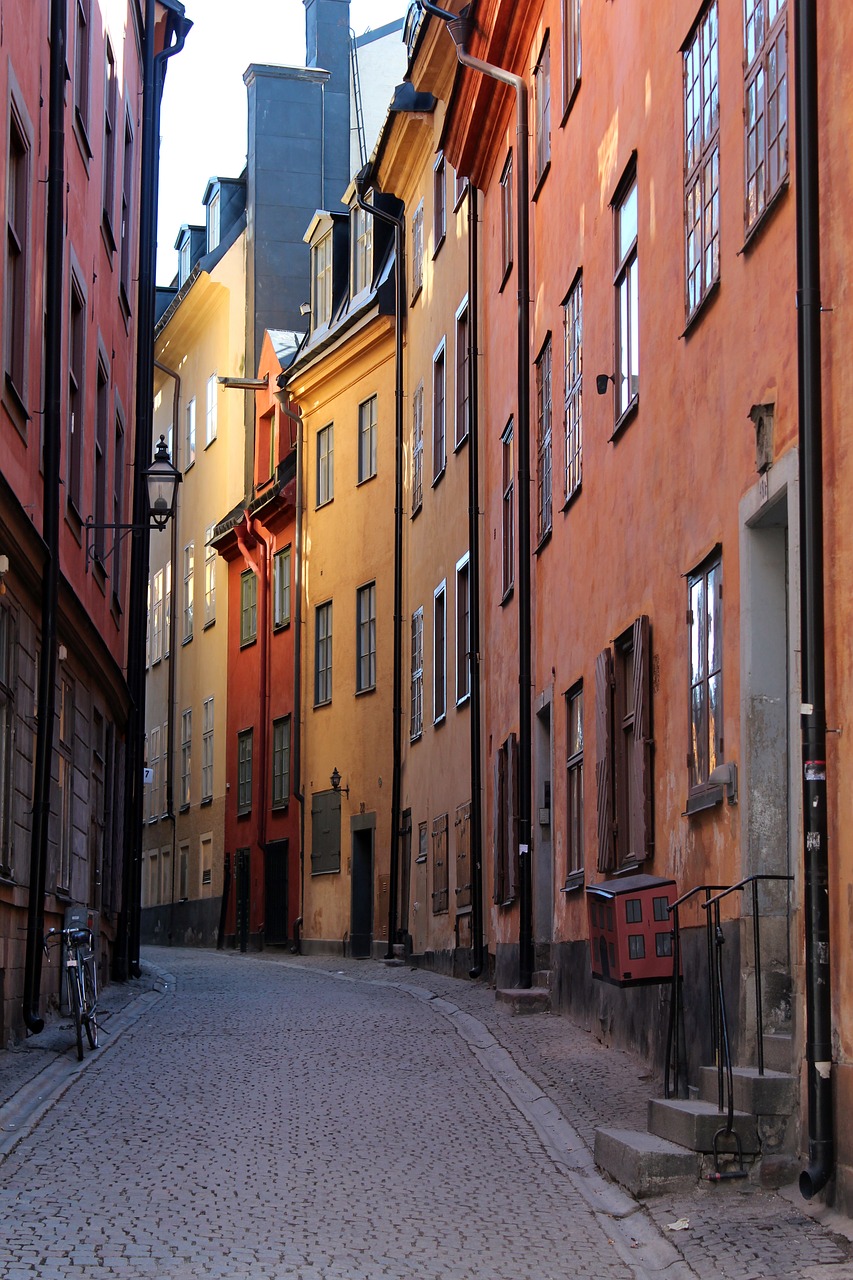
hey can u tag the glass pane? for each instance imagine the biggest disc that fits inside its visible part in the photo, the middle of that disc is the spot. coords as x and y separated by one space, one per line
627 222
714 620
697 631
715 724
699 734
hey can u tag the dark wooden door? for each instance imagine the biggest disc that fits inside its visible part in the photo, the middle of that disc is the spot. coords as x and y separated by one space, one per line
275 893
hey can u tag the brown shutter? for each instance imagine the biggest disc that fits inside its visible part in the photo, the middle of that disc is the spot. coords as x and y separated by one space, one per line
641 744
463 855
604 759
498 830
513 876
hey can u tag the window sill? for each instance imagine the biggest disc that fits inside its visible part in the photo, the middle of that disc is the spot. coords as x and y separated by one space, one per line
186 640
365 480
416 737
361 693
209 442
574 882
243 814
184 808
327 702
81 133
463 700
439 720
439 476
752 233
247 644
571 498
281 626
567 110
416 294
417 510
507 596
16 408
626 418
506 275
211 622
461 195
438 245
701 307
702 798
325 503
328 871
461 442
206 801
190 464
281 808
6 876
107 234
540 181
543 542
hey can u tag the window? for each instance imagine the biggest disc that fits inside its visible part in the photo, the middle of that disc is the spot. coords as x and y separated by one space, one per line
460 186
157 617
81 71
463 404
281 762
573 365
439 654
416 723
248 607
325 465
623 772
418 448
574 784
507 511
463 630
101 485
245 744
367 439
439 436
66 784
186 755
365 658
281 588
321 281
362 250
323 654
439 204
163 798
627 296
507 230
167 608
506 868
766 115
184 260
183 872
701 160
543 441
154 765
213 215
126 206
76 394
705 635
209 577
190 434
542 107
439 865
207 749
571 50
417 250
110 110
17 257
118 496
210 421
189 575
325 832
7 729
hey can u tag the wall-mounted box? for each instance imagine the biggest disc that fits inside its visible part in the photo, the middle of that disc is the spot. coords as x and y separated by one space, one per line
630 929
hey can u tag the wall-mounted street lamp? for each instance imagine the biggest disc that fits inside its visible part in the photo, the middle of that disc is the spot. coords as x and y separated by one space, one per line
162 479
336 782
601 381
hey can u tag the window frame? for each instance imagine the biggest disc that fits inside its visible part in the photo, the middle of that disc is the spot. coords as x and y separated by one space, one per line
76 411
248 608
321 281
508 510
507 218
211 411
542 114
189 591
418 448
707 737
701 118
626 284
8 684
439 653
186 757
325 465
570 49
757 64
461 388
416 719
323 653
362 249
281 748
282 560
82 74
210 558
439 203
463 630
18 253
245 763
575 860
207 748
367 438
439 412
365 638
189 433
108 184
573 388
417 233
544 385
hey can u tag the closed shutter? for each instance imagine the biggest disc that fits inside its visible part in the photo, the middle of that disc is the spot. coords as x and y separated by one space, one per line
641 744
604 759
498 829
463 855
512 819
439 865
325 832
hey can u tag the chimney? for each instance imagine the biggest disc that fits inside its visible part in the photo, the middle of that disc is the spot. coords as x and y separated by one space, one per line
327 36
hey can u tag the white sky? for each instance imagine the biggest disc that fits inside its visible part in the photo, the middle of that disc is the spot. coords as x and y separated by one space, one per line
203 120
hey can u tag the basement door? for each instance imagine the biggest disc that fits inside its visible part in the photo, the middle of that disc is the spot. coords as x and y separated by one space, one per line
361 922
275 893
241 896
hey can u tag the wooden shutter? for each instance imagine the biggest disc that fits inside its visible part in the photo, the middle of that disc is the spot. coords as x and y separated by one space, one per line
498 830
439 865
513 876
463 855
604 759
325 831
641 743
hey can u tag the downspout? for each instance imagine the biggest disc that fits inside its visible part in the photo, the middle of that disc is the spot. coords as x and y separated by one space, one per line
154 70
296 772
459 29
50 462
397 709
813 721
474 592
173 668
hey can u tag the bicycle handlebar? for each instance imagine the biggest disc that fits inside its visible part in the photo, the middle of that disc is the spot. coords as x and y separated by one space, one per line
74 933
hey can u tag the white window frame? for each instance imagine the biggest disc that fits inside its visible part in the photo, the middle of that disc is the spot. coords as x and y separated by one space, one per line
365 644
439 430
362 249
439 203
325 464
323 654
210 558
573 388
367 432
212 410
627 286
439 652
189 438
542 110
281 587
461 402
321 281
186 756
189 581
463 630
417 250
207 740
281 744
416 723
157 617
213 221
418 448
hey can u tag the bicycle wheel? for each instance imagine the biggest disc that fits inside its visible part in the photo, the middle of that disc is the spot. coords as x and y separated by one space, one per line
90 1001
75 1003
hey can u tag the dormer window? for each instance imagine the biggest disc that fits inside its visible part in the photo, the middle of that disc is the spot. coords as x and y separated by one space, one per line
213 222
184 260
321 281
362 250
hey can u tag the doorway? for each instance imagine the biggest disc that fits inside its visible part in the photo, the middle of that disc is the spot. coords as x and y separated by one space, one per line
543 857
361 922
275 893
241 897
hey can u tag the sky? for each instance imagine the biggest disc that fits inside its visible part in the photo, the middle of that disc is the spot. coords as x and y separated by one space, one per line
203 118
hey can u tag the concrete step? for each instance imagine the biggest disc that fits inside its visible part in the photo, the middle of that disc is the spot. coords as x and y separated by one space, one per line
779 1051
693 1124
542 978
645 1164
773 1094
525 999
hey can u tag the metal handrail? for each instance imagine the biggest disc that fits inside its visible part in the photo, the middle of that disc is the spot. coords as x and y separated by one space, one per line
673 1069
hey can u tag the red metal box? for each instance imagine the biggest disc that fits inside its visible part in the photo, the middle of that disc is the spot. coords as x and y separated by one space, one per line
630 929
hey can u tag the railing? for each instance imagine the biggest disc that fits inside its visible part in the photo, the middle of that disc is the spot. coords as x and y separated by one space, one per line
675 1082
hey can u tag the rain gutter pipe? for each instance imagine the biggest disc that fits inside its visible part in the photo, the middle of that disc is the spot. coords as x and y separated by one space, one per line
459 28
50 527
813 711
154 71
474 592
361 183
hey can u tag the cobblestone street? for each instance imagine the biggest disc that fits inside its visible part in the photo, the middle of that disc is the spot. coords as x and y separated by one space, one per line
338 1120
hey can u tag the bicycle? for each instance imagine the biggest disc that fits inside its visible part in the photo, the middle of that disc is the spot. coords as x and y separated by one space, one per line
81 979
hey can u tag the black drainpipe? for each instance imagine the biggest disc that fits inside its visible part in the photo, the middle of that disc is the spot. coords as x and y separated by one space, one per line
476 853
127 940
361 183
816 863
459 29
50 528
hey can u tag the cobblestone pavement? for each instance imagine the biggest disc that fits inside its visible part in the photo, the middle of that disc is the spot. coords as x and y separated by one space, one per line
339 1120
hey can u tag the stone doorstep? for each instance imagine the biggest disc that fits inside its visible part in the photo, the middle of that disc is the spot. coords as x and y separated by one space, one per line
693 1124
645 1164
773 1094
778 1051
542 978
526 1000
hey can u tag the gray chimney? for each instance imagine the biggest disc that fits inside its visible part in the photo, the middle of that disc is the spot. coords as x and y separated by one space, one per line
327 36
